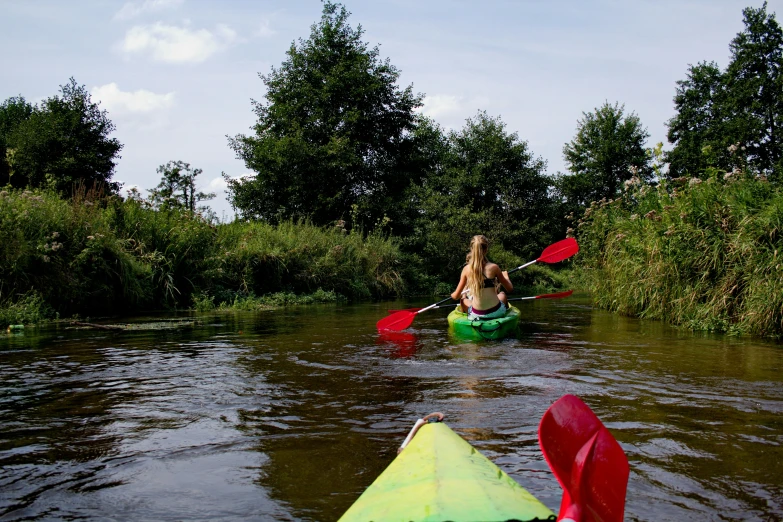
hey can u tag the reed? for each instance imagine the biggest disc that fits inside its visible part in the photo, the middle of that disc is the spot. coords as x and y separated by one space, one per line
95 255
258 258
702 254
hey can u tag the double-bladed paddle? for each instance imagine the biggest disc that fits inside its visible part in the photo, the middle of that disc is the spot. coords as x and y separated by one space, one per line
554 253
558 295
587 461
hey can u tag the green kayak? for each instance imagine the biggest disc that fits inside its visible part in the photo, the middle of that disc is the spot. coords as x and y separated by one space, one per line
498 328
439 476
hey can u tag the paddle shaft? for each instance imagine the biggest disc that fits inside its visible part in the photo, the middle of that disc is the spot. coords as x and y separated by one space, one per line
558 295
520 267
435 305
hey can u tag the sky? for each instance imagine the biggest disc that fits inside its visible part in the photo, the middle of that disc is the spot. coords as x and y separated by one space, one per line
177 76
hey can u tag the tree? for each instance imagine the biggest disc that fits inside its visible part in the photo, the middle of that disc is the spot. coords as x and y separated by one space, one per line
698 129
177 188
733 118
754 85
607 150
487 181
13 112
334 138
60 143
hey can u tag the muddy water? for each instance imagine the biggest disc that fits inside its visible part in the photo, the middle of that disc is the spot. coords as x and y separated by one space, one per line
289 415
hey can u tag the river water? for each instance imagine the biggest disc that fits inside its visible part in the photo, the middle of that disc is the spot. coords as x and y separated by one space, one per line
290 414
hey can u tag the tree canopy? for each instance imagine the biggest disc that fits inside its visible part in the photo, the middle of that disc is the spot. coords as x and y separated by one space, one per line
732 119
59 144
484 181
177 188
334 137
607 150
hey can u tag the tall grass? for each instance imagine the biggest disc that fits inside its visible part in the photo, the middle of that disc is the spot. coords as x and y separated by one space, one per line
92 255
702 254
259 258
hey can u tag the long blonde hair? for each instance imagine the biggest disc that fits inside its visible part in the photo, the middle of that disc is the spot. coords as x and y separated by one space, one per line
478 258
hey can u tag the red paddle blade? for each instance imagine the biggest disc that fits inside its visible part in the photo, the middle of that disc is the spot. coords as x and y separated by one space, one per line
558 295
398 321
558 251
587 461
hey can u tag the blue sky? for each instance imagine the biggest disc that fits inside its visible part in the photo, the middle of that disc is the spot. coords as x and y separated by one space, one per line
177 76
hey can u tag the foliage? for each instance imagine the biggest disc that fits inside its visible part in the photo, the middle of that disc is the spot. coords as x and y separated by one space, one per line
29 308
13 112
206 303
608 149
732 119
334 134
66 252
93 255
177 188
703 254
259 258
61 144
485 181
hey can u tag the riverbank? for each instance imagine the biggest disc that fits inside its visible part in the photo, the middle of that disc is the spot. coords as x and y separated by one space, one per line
91 256
108 256
703 254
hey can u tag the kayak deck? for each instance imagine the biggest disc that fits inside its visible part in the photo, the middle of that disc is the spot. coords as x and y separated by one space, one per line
479 329
439 476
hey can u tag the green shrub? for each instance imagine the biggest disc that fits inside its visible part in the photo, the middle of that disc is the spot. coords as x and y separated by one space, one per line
703 254
96 256
27 309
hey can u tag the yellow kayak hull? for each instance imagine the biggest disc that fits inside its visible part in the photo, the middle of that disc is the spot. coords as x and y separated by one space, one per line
439 476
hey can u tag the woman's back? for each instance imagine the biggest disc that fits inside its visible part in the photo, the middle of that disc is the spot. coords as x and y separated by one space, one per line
487 297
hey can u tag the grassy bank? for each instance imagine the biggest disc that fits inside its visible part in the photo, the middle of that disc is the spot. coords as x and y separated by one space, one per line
93 256
707 255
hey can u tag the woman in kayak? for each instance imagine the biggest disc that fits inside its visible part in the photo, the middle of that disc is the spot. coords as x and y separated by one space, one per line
479 276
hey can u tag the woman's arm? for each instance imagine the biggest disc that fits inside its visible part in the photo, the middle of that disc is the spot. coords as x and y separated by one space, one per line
463 280
503 278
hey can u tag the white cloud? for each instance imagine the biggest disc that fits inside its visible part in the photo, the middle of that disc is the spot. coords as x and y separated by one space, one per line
125 102
168 43
133 9
265 30
441 104
218 184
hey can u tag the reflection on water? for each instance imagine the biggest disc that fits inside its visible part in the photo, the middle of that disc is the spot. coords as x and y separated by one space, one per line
289 415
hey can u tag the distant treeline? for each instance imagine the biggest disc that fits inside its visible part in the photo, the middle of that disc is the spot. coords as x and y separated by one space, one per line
341 153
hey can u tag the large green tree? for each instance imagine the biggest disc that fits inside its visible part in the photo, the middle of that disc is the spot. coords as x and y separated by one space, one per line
754 85
335 136
608 149
732 118
13 112
484 180
60 143
698 130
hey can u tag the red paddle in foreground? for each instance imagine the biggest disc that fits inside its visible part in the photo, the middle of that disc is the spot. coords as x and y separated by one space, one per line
587 461
552 254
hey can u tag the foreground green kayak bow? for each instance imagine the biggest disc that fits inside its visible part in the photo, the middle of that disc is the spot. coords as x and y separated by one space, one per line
440 477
